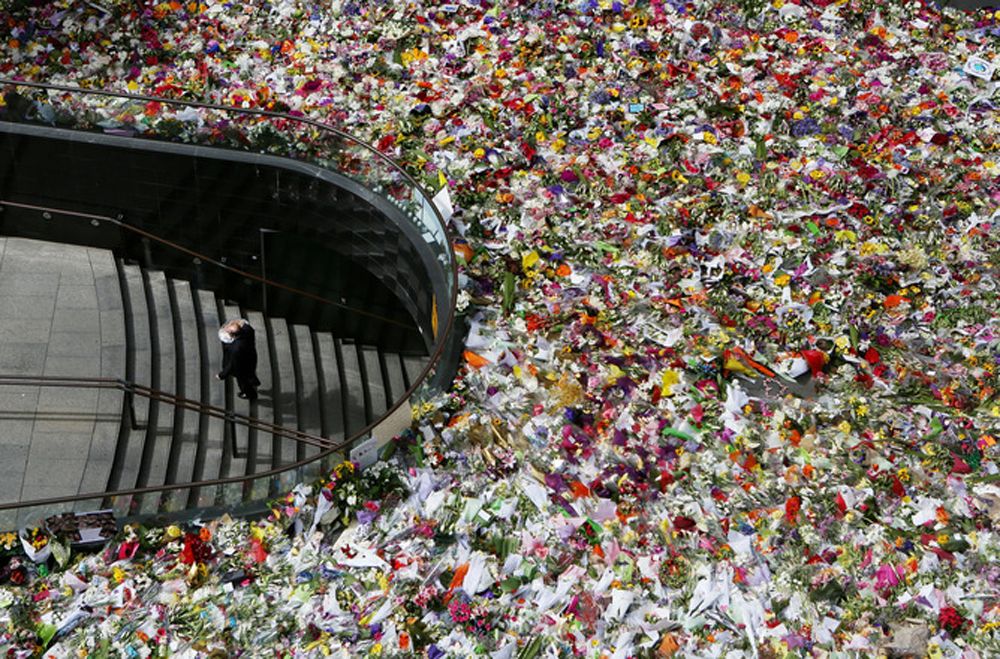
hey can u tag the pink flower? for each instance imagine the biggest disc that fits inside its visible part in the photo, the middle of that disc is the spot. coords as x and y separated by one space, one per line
888 576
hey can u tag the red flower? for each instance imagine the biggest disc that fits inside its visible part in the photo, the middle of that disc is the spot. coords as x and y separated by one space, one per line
195 550
792 507
951 620
816 359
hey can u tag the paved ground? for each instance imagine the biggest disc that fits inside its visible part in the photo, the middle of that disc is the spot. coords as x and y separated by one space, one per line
60 314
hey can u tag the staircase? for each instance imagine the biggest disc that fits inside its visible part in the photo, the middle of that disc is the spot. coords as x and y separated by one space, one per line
311 381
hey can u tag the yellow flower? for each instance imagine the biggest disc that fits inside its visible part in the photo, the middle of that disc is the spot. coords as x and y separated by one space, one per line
668 380
709 137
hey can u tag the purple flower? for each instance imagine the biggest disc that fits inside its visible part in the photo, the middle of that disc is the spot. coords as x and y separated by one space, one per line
805 127
555 482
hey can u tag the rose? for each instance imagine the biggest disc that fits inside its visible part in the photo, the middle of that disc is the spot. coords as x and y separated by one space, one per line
951 620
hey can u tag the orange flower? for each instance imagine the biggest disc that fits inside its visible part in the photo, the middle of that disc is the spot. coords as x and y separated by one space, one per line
475 361
456 580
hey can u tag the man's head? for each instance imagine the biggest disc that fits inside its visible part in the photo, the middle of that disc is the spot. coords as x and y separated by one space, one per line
232 329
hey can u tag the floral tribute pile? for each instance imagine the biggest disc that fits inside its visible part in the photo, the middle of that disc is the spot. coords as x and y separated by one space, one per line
730 386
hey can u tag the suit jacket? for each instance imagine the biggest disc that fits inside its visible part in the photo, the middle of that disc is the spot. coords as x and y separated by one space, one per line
239 358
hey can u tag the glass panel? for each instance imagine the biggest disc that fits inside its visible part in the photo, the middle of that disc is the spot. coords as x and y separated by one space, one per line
209 188
223 198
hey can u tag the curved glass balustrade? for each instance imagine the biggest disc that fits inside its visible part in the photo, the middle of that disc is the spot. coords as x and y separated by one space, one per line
319 149
318 176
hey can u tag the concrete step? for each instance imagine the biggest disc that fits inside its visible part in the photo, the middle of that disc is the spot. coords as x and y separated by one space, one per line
330 384
412 366
110 402
128 457
354 395
310 395
187 423
374 381
159 430
395 379
211 445
285 391
261 443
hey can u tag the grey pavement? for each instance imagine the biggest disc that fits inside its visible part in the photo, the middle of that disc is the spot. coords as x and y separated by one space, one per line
60 315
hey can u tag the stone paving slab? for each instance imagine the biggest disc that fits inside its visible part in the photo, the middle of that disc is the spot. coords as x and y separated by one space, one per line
14 431
60 315
21 330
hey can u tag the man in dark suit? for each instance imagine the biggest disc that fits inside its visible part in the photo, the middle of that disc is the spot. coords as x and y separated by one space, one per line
239 357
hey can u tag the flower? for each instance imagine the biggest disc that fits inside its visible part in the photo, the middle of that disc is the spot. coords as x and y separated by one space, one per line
952 621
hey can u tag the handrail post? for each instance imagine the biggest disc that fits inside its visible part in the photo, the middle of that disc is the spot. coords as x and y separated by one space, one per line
129 390
230 420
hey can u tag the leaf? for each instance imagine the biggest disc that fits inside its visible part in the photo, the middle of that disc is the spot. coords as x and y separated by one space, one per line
677 433
831 592
45 633
510 584
508 292
761 149
955 545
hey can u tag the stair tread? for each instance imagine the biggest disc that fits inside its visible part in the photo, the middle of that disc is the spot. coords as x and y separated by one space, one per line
308 389
284 392
332 396
355 394
374 380
412 365
266 407
186 422
213 428
394 369
142 365
159 435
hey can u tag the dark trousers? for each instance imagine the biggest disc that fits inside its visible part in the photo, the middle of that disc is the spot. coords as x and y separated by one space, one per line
248 385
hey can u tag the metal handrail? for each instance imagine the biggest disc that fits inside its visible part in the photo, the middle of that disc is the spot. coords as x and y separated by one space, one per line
117 221
134 388
453 263
131 388
441 338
